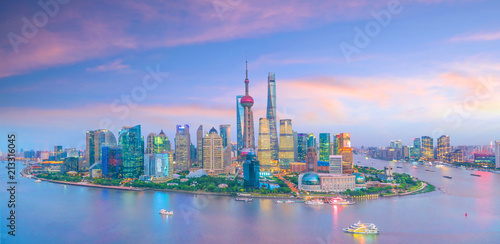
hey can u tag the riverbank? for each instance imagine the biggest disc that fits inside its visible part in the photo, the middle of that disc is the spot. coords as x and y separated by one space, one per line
423 186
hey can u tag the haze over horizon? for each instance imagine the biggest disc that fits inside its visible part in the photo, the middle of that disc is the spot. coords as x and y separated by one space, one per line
432 68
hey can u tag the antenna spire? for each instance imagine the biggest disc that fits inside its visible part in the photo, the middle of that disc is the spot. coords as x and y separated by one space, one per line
246 65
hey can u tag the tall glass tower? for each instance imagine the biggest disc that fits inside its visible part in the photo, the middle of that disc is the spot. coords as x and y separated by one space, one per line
132 151
271 115
240 115
199 146
182 148
324 147
225 133
286 144
302 146
264 152
427 152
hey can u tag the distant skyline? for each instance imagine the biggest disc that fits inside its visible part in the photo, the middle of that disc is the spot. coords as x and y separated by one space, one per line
431 70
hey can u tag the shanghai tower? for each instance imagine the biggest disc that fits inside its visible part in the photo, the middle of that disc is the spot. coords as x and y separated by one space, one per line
247 103
271 115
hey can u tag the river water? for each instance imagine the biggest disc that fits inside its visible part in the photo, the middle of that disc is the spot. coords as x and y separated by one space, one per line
54 213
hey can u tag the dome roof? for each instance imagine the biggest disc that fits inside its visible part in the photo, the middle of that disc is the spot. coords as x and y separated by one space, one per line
213 130
311 179
246 101
360 178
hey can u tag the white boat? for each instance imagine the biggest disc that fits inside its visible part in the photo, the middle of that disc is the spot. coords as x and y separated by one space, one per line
244 199
38 181
279 201
289 201
165 212
362 228
315 203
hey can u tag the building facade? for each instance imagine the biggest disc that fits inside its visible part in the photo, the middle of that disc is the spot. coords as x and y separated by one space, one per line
324 146
264 153
427 152
347 160
182 148
271 116
443 148
212 151
225 134
335 164
312 160
133 151
286 144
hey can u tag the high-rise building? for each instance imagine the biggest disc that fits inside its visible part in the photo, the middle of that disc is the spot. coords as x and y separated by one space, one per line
157 143
347 160
248 128
416 148
335 164
97 139
399 144
497 154
295 146
457 156
264 147
302 146
324 147
199 145
150 144
212 151
133 151
443 148
57 152
251 170
226 156
392 145
312 160
159 165
112 164
271 116
427 152
311 141
336 144
344 140
225 133
286 144
240 123
182 148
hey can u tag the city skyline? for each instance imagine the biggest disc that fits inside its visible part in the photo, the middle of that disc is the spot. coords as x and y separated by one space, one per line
53 92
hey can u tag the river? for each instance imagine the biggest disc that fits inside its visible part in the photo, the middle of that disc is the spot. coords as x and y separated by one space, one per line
55 213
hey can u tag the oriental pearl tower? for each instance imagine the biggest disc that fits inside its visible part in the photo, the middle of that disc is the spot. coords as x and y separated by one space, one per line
247 103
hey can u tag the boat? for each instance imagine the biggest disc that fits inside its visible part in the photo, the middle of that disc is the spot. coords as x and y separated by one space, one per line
415 167
476 175
314 203
448 177
339 201
38 181
244 199
165 212
289 201
362 228
429 170
399 167
279 201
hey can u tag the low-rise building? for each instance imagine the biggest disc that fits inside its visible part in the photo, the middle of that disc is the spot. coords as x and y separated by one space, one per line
314 182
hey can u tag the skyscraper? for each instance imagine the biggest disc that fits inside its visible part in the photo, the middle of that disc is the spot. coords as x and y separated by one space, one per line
157 143
240 124
271 116
286 144
58 152
225 133
182 148
345 140
96 139
212 151
324 147
311 141
497 154
443 148
251 170
347 160
295 146
199 145
112 165
264 147
312 159
247 103
427 152
416 148
336 144
132 150
302 146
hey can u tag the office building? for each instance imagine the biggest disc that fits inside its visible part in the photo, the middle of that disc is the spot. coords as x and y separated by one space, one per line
497 154
212 151
336 144
302 146
199 146
225 134
286 144
335 164
271 116
324 146
182 148
311 141
427 151
312 159
159 165
132 151
251 169
347 160
344 140
264 147
295 146
443 148
112 164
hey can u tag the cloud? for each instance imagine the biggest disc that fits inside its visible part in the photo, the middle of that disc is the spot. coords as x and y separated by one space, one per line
476 37
112 66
